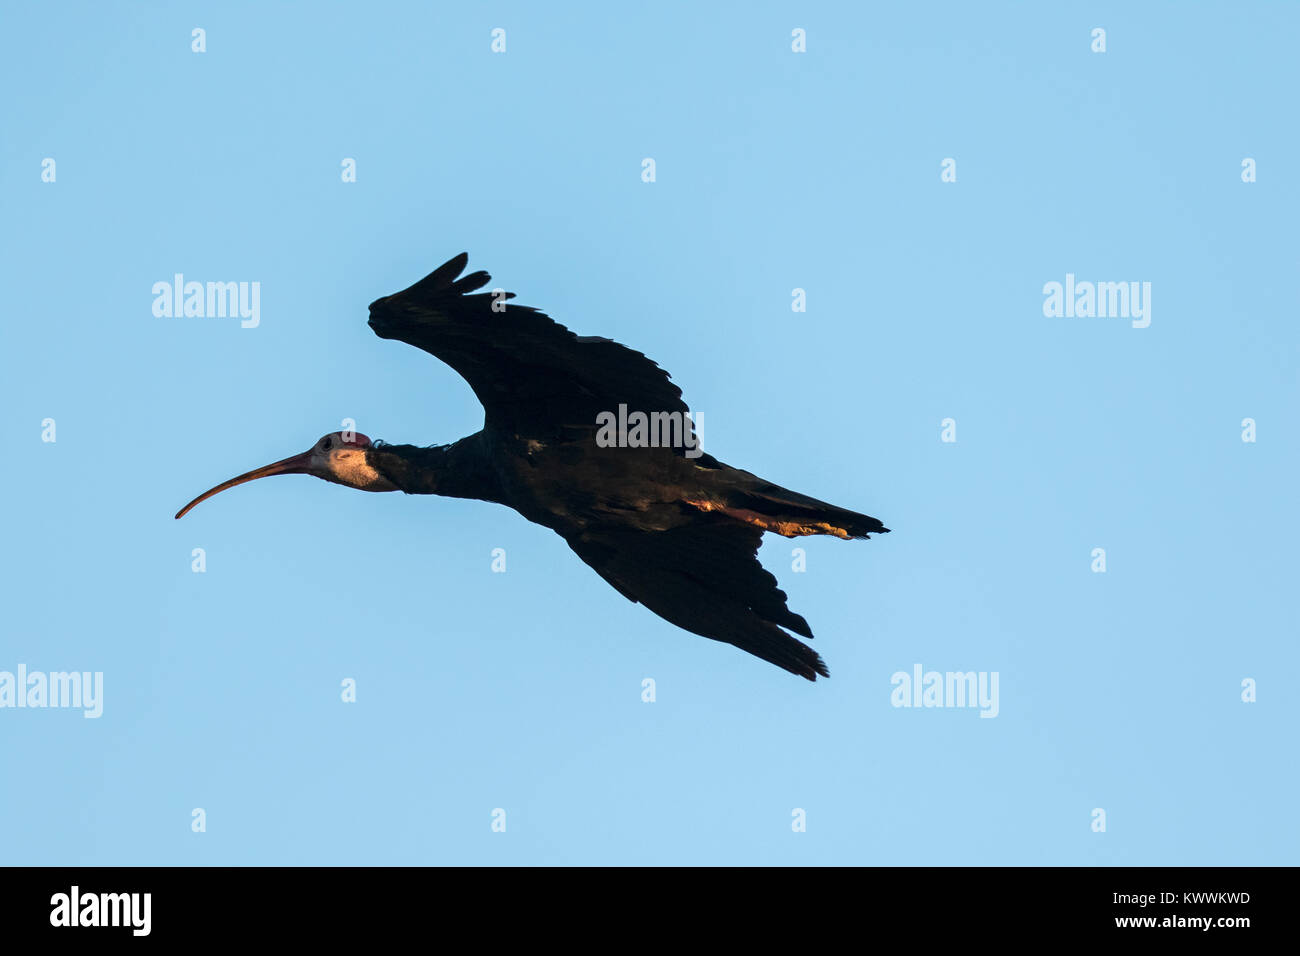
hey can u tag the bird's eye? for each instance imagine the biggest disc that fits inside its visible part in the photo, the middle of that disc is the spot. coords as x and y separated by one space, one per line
326 442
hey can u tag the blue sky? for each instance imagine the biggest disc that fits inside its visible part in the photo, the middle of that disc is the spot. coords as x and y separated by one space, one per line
775 170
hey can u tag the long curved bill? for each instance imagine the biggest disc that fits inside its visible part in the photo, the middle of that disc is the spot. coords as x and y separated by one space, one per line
297 465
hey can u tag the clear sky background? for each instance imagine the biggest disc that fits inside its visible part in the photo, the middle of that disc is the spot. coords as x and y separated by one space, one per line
775 170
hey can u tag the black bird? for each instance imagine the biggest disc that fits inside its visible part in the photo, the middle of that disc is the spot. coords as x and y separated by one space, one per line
562 443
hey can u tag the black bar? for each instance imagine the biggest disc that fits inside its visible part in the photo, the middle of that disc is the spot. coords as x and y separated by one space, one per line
1147 904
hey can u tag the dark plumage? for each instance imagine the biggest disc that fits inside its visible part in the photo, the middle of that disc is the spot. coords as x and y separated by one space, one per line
670 527
677 533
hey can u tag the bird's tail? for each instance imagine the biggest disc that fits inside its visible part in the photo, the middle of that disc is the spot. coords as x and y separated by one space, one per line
782 511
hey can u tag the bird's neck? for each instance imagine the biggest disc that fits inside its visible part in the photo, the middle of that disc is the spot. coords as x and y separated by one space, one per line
460 470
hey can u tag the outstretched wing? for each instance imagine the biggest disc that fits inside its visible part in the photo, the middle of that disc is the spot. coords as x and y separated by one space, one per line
533 376
705 577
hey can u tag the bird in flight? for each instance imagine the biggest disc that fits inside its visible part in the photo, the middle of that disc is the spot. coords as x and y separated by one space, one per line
590 439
